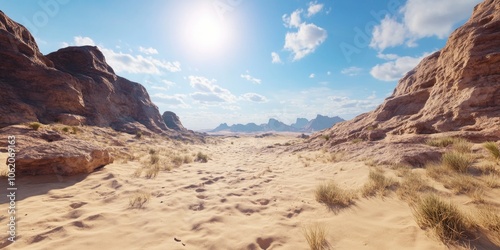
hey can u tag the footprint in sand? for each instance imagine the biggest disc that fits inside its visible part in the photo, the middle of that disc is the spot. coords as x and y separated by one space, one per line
76 205
264 243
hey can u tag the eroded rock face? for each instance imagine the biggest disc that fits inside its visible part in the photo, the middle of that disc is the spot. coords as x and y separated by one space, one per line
65 157
172 121
74 85
47 152
455 89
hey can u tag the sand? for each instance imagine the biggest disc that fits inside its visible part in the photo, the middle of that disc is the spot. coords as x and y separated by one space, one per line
251 194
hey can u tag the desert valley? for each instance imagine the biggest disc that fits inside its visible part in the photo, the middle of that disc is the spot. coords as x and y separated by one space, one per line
91 163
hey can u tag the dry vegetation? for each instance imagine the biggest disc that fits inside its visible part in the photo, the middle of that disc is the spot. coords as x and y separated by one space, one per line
332 195
378 184
139 199
316 237
443 218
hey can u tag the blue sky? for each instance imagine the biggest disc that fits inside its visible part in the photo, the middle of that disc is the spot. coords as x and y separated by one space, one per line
240 61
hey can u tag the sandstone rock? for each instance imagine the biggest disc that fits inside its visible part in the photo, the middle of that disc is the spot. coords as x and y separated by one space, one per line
74 85
65 157
455 89
172 121
43 152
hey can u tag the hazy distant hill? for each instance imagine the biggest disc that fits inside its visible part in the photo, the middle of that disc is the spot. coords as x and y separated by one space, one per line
301 125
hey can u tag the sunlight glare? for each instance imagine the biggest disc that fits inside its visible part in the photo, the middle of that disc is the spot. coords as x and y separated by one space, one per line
206 33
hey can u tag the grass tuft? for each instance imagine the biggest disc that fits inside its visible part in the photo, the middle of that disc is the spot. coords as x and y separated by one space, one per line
332 195
377 184
457 161
411 187
441 142
34 125
444 218
316 237
492 149
201 157
139 199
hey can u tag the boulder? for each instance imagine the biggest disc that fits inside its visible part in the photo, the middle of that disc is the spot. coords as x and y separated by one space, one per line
64 157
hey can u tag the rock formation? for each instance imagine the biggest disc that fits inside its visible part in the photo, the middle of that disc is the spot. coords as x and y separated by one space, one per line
455 89
321 122
74 85
172 121
44 152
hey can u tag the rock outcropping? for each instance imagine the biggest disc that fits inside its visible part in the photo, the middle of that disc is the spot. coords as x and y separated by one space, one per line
74 85
172 121
455 89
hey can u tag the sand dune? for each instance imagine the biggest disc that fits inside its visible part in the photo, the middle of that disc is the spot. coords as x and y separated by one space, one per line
251 194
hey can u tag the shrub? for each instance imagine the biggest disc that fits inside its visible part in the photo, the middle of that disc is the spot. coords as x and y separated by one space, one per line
34 125
457 161
200 157
444 218
139 199
177 160
332 195
65 129
316 237
493 149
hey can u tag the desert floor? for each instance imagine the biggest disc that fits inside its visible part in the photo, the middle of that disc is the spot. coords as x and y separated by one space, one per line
251 194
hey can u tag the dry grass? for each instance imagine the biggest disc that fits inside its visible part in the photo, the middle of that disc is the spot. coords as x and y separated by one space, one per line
488 217
377 184
443 218
152 171
411 187
492 149
201 157
316 237
441 142
460 162
139 199
332 195
462 146
34 125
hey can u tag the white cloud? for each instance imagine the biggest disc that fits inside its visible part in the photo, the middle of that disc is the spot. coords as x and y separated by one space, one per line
426 18
293 20
312 75
305 40
168 83
209 92
351 71
134 64
329 73
83 41
389 33
314 8
177 100
276 58
148 51
395 69
387 56
253 97
308 36
251 79
419 19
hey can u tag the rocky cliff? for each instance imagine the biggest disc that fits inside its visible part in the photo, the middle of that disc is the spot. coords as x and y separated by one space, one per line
74 86
454 89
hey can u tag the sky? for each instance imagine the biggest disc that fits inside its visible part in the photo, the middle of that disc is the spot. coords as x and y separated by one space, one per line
241 61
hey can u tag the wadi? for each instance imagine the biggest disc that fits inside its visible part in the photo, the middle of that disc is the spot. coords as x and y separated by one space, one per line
89 162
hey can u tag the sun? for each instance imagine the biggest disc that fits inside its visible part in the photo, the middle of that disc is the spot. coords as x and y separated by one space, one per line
205 33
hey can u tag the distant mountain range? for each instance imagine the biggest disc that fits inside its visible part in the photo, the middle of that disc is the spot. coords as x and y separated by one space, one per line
301 125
